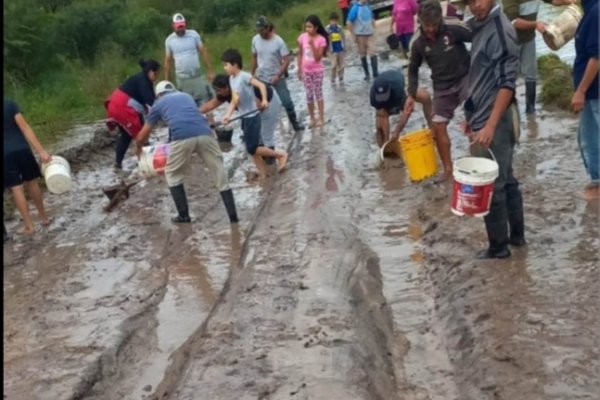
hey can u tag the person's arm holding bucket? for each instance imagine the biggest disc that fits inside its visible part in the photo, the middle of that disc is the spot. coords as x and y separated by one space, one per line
404 116
32 138
142 137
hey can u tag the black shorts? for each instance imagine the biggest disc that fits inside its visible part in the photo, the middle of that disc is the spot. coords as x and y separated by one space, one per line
251 129
394 110
20 166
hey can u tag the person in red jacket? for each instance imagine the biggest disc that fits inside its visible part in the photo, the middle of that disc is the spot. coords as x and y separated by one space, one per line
344 6
127 105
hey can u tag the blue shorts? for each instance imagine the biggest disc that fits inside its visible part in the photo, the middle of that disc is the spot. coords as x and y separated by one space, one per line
20 166
251 130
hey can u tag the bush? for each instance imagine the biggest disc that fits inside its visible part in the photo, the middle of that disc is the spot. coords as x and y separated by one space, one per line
557 82
137 32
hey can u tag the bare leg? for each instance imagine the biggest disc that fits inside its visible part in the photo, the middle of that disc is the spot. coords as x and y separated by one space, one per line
382 124
591 192
38 199
260 165
321 105
21 202
281 156
442 141
424 98
311 113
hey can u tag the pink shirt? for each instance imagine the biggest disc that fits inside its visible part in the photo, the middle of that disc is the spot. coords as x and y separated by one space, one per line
404 15
309 64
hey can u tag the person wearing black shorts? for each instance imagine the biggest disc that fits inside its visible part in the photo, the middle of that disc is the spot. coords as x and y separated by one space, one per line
387 96
21 169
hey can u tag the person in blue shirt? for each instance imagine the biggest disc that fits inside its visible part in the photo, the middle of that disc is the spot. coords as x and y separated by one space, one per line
585 98
361 24
337 47
189 133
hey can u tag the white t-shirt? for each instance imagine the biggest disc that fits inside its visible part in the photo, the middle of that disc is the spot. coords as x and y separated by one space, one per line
242 88
269 56
184 50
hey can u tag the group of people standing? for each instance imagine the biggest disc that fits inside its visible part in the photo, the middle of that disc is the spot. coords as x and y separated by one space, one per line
484 80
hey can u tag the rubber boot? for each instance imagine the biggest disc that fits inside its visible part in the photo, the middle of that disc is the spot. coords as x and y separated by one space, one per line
6 237
365 66
178 194
530 97
269 160
227 196
374 66
496 225
296 125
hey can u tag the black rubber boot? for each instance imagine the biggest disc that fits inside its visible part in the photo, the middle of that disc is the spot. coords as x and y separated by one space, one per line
296 125
269 160
6 237
496 225
530 97
178 194
374 66
365 66
227 196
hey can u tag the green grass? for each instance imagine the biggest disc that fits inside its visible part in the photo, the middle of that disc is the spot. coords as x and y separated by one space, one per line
557 83
76 93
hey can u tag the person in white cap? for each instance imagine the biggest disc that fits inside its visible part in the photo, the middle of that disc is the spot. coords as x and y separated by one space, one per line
183 47
189 132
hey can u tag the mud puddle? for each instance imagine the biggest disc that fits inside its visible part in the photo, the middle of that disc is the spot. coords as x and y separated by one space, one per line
341 283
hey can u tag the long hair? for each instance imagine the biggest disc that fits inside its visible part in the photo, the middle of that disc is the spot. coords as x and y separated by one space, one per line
314 20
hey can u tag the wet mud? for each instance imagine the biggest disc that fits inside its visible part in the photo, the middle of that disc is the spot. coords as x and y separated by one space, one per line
341 281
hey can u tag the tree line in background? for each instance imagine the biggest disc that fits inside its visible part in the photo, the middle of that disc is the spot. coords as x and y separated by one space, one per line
42 35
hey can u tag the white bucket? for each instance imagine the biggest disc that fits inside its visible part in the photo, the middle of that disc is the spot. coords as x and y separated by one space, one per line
57 174
473 185
563 28
153 160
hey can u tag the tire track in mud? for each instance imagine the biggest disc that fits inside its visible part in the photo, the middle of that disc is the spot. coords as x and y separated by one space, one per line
277 304
509 332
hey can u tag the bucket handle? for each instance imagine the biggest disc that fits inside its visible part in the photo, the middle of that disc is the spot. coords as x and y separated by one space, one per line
488 149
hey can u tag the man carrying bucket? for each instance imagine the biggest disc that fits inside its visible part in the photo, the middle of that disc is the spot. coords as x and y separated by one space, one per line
442 46
493 119
190 133
523 15
388 97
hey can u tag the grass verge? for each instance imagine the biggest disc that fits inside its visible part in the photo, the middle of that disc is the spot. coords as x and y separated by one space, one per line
76 93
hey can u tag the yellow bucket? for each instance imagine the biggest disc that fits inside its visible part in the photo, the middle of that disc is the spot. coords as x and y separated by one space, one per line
419 154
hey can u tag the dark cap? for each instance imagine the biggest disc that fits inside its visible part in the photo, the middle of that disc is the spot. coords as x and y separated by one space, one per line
382 89
262 22
333 15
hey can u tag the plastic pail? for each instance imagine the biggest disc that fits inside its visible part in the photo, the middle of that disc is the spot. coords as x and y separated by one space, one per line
419 154
473 185
153 159
563 28
57 174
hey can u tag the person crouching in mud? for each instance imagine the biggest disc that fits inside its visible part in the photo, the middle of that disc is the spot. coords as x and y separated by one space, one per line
493 119
388 97
268 118
189 133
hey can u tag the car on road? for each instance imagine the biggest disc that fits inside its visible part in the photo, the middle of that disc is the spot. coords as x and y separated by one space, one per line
381 6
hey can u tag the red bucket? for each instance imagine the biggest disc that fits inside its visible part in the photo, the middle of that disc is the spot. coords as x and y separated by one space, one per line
473 186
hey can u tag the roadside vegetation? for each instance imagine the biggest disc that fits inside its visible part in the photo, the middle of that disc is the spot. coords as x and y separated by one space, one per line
63 58
557 82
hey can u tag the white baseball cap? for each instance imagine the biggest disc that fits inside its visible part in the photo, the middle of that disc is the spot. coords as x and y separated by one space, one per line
163 86
178 21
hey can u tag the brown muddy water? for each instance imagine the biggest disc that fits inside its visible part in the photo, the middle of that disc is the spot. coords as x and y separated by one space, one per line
341 282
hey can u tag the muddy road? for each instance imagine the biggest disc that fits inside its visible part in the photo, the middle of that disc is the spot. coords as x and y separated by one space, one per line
340 282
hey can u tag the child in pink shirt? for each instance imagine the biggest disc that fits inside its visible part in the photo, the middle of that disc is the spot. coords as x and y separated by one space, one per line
312 46
403 21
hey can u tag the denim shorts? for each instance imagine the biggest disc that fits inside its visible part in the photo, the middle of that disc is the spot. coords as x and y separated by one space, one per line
251 129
